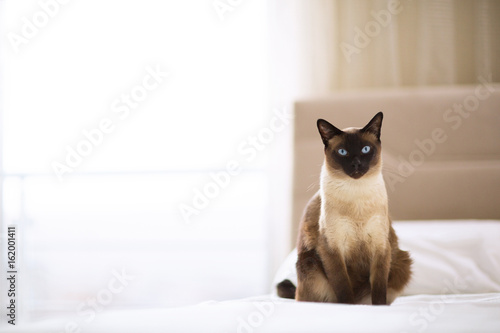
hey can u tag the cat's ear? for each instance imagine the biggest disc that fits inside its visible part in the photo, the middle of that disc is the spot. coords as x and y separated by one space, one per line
327 130
375 125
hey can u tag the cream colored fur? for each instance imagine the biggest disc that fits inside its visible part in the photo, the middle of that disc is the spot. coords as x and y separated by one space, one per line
354 211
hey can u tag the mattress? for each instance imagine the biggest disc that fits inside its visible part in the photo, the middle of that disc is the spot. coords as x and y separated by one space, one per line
455 288
419 313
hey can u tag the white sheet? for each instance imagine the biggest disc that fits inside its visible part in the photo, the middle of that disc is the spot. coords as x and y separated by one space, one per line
457 279
423 313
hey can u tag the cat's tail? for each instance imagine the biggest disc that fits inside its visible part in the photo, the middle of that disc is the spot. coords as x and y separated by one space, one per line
286 289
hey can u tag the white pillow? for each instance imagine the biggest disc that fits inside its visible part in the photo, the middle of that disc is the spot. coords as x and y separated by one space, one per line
449 257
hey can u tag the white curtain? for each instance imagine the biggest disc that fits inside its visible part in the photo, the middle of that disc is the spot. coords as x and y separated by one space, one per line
338 44
322 46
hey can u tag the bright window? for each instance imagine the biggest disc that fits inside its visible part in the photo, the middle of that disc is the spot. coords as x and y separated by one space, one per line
138 105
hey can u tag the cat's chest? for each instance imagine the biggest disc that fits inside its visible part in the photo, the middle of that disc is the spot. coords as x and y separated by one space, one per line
354 213
348 235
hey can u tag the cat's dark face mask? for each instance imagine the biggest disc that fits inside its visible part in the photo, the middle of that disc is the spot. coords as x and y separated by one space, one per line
354 151
354 155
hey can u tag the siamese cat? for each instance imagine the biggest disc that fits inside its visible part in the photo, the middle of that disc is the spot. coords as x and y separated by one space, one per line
347 249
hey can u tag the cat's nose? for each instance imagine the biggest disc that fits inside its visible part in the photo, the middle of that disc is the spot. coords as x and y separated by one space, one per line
356 162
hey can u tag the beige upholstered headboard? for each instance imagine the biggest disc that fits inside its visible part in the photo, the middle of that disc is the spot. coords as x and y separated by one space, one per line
441 148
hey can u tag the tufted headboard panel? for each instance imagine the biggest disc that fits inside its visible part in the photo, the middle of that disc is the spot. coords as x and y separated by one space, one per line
441 148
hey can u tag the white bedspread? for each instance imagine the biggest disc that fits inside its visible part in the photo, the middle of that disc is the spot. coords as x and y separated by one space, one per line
422 313
455 288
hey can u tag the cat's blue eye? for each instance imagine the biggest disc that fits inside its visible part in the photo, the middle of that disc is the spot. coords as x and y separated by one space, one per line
342 152
365 149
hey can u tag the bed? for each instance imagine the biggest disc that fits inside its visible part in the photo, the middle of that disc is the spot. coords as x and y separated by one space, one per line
442 165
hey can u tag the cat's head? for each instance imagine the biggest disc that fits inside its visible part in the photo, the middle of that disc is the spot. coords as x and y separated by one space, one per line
354 152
